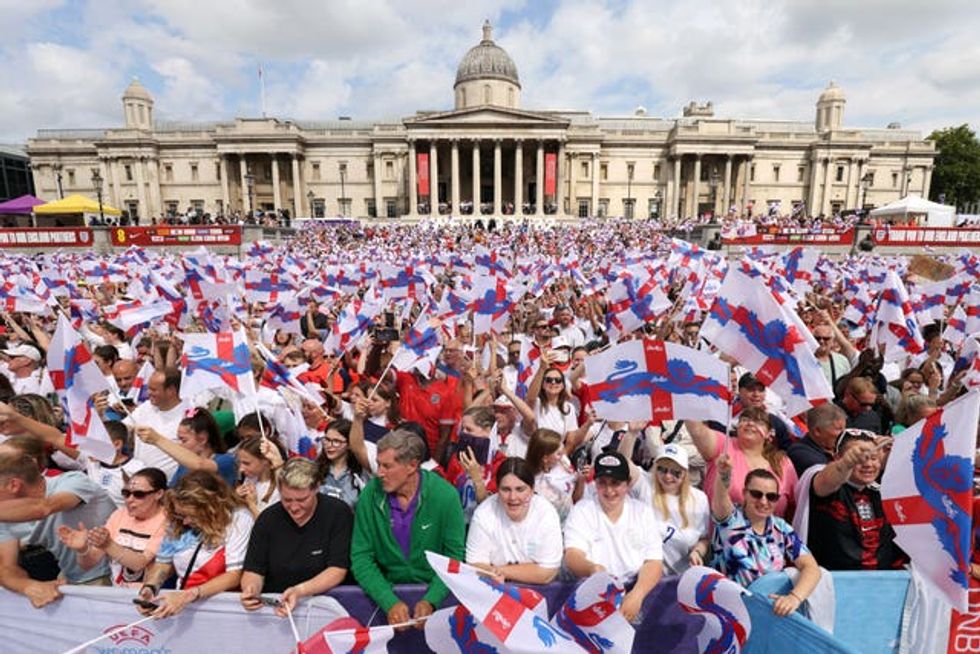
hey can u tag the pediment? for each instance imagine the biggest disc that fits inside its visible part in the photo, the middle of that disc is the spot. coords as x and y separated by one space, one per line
487 115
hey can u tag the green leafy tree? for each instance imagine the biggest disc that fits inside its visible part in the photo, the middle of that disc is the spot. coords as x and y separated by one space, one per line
956 174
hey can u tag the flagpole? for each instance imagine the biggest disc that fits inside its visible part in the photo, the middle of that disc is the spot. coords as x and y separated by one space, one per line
292 625
110 634
381 378
728 425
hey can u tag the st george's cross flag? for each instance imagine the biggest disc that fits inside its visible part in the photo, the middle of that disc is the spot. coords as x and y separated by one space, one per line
348 636
76 377
727 625
420 347
927 494
220 360
895 326
748 324
654 380
968 361
455 630
591 616
492 305
139 392
516 616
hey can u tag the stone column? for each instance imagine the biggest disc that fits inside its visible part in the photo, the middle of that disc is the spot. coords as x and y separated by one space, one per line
811 204
746 183
413 185
225 194
276 191
498 183
559 179
926 181
243 169
572 196
595 183
433 178
675 199
519 178
153 179
454 164
693 205
539 182
726 200
298 198
848 204
825 196
144 208
476 179
116 189
376 183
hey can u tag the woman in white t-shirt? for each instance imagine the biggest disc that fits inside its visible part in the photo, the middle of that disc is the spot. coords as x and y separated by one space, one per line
682 509
548 406
516 534
554 477
615 533
258 486
205 544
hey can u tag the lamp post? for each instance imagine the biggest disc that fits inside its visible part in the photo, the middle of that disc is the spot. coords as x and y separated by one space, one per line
865 183
343 193
250 184
97 183
713 181
309 203
57 177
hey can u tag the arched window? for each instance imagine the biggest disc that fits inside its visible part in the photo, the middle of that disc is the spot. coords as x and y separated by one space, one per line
487 94
510 97
462 97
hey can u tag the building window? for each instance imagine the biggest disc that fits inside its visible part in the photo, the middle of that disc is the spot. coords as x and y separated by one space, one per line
603 207
342 167
656 172
71 176
194 177
704 174
653 208
603 172
128 170
630 170
840 173
752 173
344 207
172 207
318 208
369 168
372 211
583 208
510 97
168 173
894 180
217 171
628 205
835 208
391 208
585 169
775 174
220 206
198 206
799 173
267 172
389 170
316 170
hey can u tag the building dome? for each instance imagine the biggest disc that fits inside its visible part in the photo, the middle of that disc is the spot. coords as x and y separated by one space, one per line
487 60
832 93
137 91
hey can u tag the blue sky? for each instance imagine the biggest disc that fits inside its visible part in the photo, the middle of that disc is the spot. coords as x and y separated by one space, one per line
900 61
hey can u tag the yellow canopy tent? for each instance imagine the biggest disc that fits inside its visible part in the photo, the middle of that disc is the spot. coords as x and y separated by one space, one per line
75 204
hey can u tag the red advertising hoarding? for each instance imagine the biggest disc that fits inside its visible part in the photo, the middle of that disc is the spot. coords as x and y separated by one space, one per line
30 237
948 236
550 173
423 175
773 235
157 235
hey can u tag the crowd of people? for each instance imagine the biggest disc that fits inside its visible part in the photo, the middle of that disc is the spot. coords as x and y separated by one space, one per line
480 456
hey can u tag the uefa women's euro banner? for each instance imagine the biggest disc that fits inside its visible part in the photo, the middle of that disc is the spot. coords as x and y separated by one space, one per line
161 235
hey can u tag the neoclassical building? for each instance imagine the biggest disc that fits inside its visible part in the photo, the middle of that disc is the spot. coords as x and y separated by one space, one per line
490 153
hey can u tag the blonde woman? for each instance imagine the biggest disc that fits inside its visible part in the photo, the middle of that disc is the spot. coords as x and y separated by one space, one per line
205 545
683 511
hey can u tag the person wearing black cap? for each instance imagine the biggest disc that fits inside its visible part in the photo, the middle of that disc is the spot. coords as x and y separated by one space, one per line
615 533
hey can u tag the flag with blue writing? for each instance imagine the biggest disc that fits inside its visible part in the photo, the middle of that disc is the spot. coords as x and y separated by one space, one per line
220 360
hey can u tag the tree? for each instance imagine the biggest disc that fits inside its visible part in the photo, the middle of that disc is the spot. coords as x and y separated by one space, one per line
956 174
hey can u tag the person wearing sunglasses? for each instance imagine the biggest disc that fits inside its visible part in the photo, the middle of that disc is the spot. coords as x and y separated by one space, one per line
860 401
132 535
682 510
848 528
751 541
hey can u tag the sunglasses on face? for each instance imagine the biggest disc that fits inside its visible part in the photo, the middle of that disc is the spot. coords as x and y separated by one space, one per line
138 494
554 380
670 472
758 495
822 339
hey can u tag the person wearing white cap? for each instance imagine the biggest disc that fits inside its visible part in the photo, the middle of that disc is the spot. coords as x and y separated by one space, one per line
683 510
25 371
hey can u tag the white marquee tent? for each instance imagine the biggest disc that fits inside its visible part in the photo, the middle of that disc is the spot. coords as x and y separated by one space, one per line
915 210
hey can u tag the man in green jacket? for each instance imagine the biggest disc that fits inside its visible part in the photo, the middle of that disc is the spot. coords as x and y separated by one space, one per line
402 513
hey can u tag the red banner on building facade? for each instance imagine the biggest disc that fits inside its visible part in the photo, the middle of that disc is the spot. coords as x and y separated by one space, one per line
950 236
62 237
550 173
155 235
423 173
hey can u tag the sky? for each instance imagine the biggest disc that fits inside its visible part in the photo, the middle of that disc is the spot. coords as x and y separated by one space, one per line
65 63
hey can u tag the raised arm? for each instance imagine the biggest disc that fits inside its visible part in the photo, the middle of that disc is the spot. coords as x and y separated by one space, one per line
721 502
175 450
355 439
705 439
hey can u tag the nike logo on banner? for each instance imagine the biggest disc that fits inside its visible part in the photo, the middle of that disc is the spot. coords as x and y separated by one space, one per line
424 527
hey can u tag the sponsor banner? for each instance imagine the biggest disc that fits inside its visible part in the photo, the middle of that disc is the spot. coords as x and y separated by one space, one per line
951 236
550 173
964 628
157 235
29 237
773 235
423 173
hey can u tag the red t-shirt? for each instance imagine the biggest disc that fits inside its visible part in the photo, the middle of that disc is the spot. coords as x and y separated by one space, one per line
433 405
